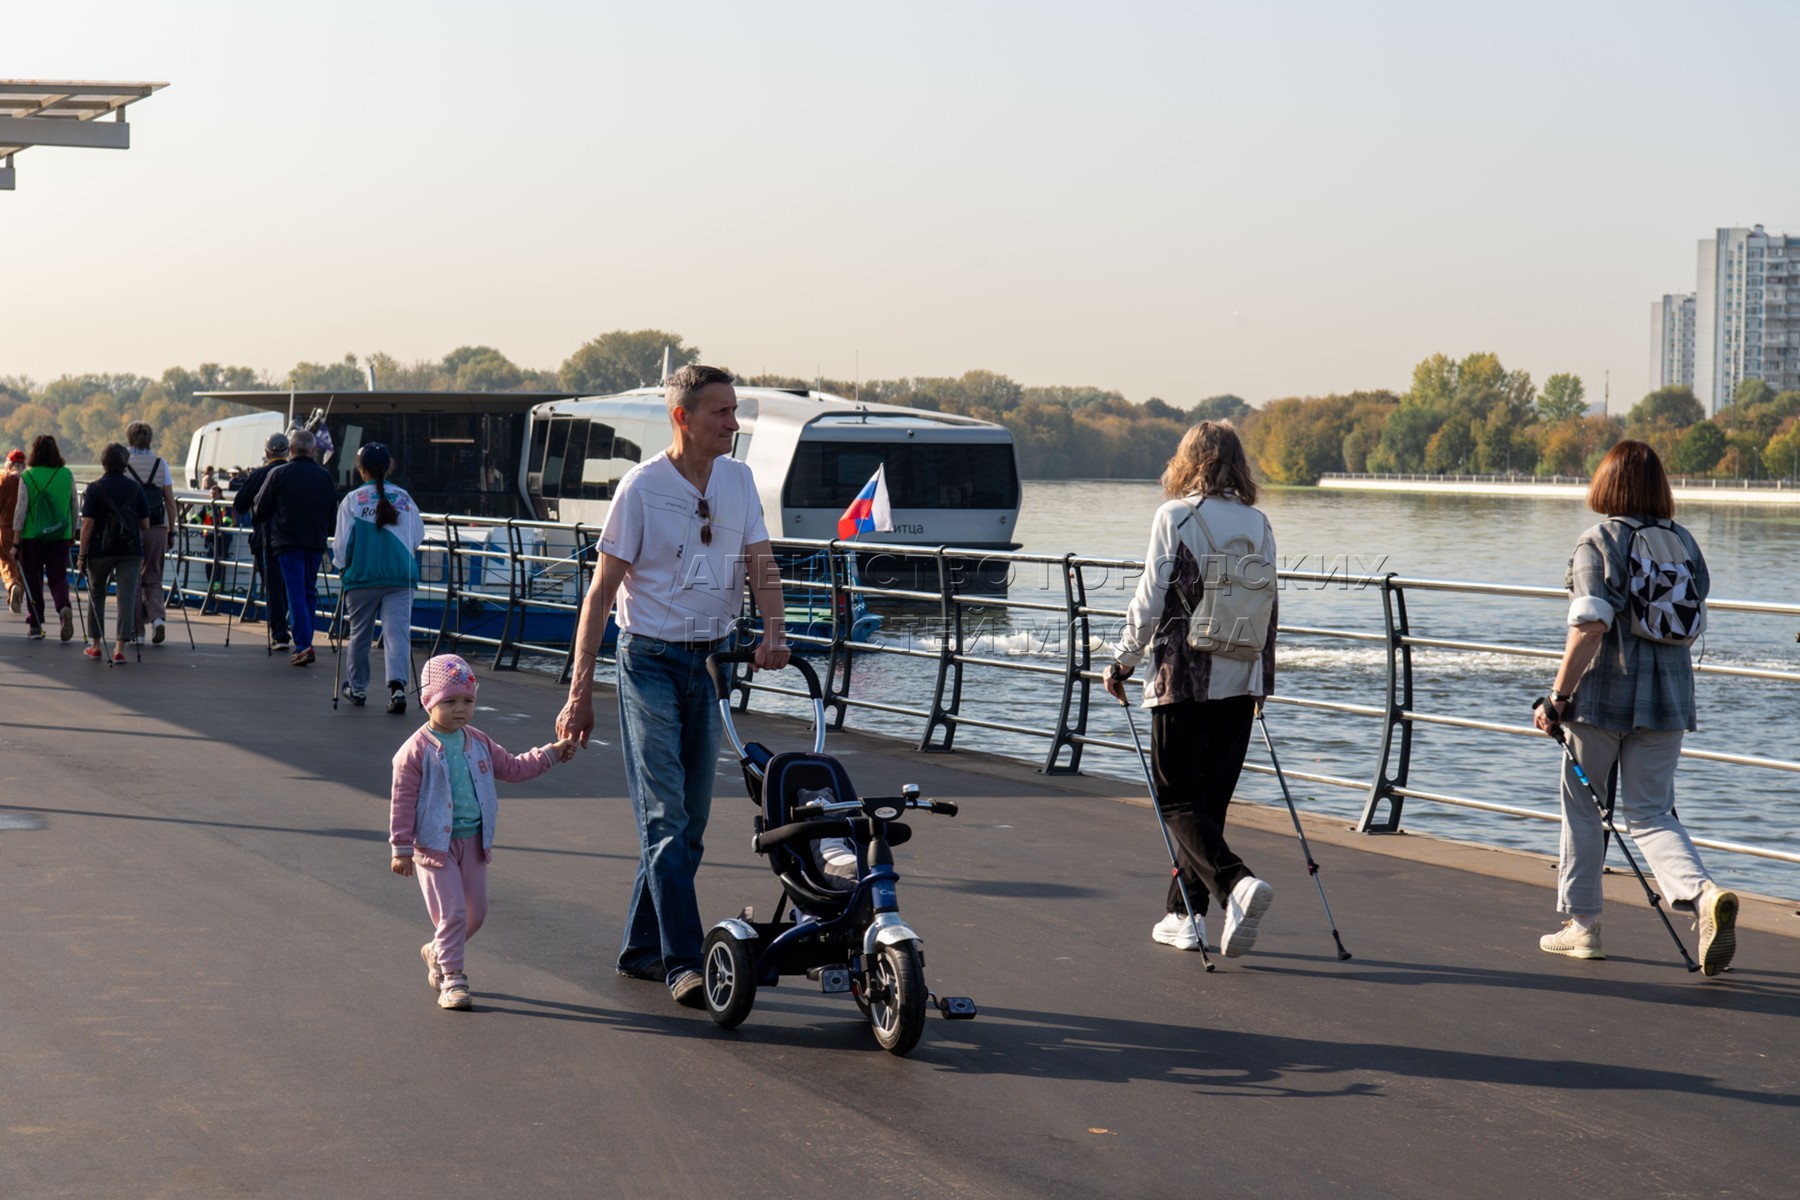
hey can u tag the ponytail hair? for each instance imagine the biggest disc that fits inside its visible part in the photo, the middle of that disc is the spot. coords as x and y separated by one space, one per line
385 512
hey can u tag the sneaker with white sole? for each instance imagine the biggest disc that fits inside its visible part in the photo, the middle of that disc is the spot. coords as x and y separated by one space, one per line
1180 931
157 633
68 622
356 696
1243 913
433 976
686 987
454 992
1716 910
1573 941
15 598
396 697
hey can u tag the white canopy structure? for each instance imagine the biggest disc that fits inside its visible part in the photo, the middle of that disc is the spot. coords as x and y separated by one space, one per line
63 112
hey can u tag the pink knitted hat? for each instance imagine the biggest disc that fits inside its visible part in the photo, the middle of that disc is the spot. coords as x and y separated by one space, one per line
444 676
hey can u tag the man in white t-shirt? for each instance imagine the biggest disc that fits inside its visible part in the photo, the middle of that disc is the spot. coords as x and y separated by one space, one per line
684 529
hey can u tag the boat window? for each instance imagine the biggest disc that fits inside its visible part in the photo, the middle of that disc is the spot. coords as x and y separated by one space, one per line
556 447
597 476
575 458
919 474
463 463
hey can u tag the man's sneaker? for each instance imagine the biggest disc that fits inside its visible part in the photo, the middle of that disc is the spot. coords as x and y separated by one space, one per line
68 622
1717 911
396 697
15 598
303 658
1573 941
1243 913
654 973
355 696
433 976
280 643
686 989
1180 931
158 633
454 992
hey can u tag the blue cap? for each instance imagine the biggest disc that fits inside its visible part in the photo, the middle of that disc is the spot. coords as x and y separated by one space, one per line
374 458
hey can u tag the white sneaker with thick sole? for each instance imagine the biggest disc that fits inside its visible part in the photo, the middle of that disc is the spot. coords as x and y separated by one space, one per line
1572 941
1243 913
433 976
1180 931
1716 914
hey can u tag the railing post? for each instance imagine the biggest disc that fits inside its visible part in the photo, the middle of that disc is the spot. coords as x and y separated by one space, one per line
453 565
513 567
1399 701
949 673
581 587
1071 717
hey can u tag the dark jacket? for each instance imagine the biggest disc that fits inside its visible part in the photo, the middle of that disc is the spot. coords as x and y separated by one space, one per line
246 497
296 507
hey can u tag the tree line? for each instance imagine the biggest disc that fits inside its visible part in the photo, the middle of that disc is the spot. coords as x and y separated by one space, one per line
1460 415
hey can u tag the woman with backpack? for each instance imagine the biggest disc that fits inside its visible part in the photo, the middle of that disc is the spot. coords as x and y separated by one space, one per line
159 493
374 548
114 517
1624 694
1212 662
43 522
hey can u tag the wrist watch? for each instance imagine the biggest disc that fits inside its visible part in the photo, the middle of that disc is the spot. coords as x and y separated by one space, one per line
1560 697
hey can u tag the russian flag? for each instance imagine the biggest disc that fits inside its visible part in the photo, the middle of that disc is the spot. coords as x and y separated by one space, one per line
870 511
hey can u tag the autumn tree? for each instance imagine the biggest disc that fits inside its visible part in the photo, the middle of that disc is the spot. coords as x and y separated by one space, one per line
1564 399
1699 450
619 361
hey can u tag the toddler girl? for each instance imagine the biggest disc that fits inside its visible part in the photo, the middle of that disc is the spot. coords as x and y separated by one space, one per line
443 815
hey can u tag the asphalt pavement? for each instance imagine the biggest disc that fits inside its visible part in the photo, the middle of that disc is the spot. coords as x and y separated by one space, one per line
211 987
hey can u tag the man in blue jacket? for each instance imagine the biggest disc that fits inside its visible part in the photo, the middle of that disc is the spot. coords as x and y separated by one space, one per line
295 510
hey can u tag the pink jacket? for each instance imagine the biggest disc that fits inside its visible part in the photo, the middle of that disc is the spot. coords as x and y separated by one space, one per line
419 821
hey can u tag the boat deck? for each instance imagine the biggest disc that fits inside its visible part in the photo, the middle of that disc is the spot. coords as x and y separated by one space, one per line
212 988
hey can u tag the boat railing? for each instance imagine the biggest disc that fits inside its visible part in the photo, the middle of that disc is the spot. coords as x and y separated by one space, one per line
527 569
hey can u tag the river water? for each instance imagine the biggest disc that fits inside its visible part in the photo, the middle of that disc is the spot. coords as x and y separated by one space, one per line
1511 540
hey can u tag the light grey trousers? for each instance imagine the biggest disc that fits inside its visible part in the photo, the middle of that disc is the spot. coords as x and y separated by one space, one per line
394 607
1645 809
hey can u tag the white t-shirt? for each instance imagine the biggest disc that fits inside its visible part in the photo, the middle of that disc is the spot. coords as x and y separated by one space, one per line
142 462
679 589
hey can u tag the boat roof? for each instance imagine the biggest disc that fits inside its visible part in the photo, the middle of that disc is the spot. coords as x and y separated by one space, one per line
813 407
350 403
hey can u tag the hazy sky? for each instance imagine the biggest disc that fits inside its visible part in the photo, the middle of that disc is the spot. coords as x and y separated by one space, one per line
1166 199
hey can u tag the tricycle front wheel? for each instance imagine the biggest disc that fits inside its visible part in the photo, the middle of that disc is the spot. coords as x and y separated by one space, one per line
727 974
897 997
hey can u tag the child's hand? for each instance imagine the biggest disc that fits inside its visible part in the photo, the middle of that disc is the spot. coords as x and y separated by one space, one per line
401 865
565 749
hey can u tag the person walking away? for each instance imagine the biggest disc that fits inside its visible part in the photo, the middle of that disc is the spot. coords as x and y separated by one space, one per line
682 530
44 526
375 549
115 516
1202 702
1624 694
152 473
296 506
443 812
275 452
9 499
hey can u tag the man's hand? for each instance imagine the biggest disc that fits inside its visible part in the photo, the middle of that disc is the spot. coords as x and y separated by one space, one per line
771 656
1113 680
576 720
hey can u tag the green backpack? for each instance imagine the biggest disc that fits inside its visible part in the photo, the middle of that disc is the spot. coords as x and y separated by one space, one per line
47 516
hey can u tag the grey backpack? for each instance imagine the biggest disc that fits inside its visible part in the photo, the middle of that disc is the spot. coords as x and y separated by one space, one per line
1237 593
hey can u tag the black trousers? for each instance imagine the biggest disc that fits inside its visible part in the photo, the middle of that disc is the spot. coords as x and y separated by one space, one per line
1196 754
275 588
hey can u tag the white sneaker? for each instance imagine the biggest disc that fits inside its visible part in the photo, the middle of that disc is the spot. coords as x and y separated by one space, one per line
1573 941
1716 913
1180 931
1243 913
454 992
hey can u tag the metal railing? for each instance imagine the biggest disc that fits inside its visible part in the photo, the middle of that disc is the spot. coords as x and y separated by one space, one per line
513 588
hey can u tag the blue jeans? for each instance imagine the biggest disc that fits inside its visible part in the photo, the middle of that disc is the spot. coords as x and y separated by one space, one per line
669 735
300 576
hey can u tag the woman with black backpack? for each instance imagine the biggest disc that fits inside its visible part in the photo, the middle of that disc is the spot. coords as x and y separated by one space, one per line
114 517
1624 694
44 521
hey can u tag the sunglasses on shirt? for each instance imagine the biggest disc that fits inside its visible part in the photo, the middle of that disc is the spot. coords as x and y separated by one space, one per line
706 523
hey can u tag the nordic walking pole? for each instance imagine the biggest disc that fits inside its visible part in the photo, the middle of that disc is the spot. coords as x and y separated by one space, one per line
1312 868
337 660
1169 842
1561 736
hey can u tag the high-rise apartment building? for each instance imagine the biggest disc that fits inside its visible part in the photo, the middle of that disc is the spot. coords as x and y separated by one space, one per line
1745 324
1672 341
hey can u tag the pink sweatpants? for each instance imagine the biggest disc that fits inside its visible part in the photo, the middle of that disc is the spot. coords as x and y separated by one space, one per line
456 898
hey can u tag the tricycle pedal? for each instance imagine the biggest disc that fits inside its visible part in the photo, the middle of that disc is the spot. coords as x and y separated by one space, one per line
956 1008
